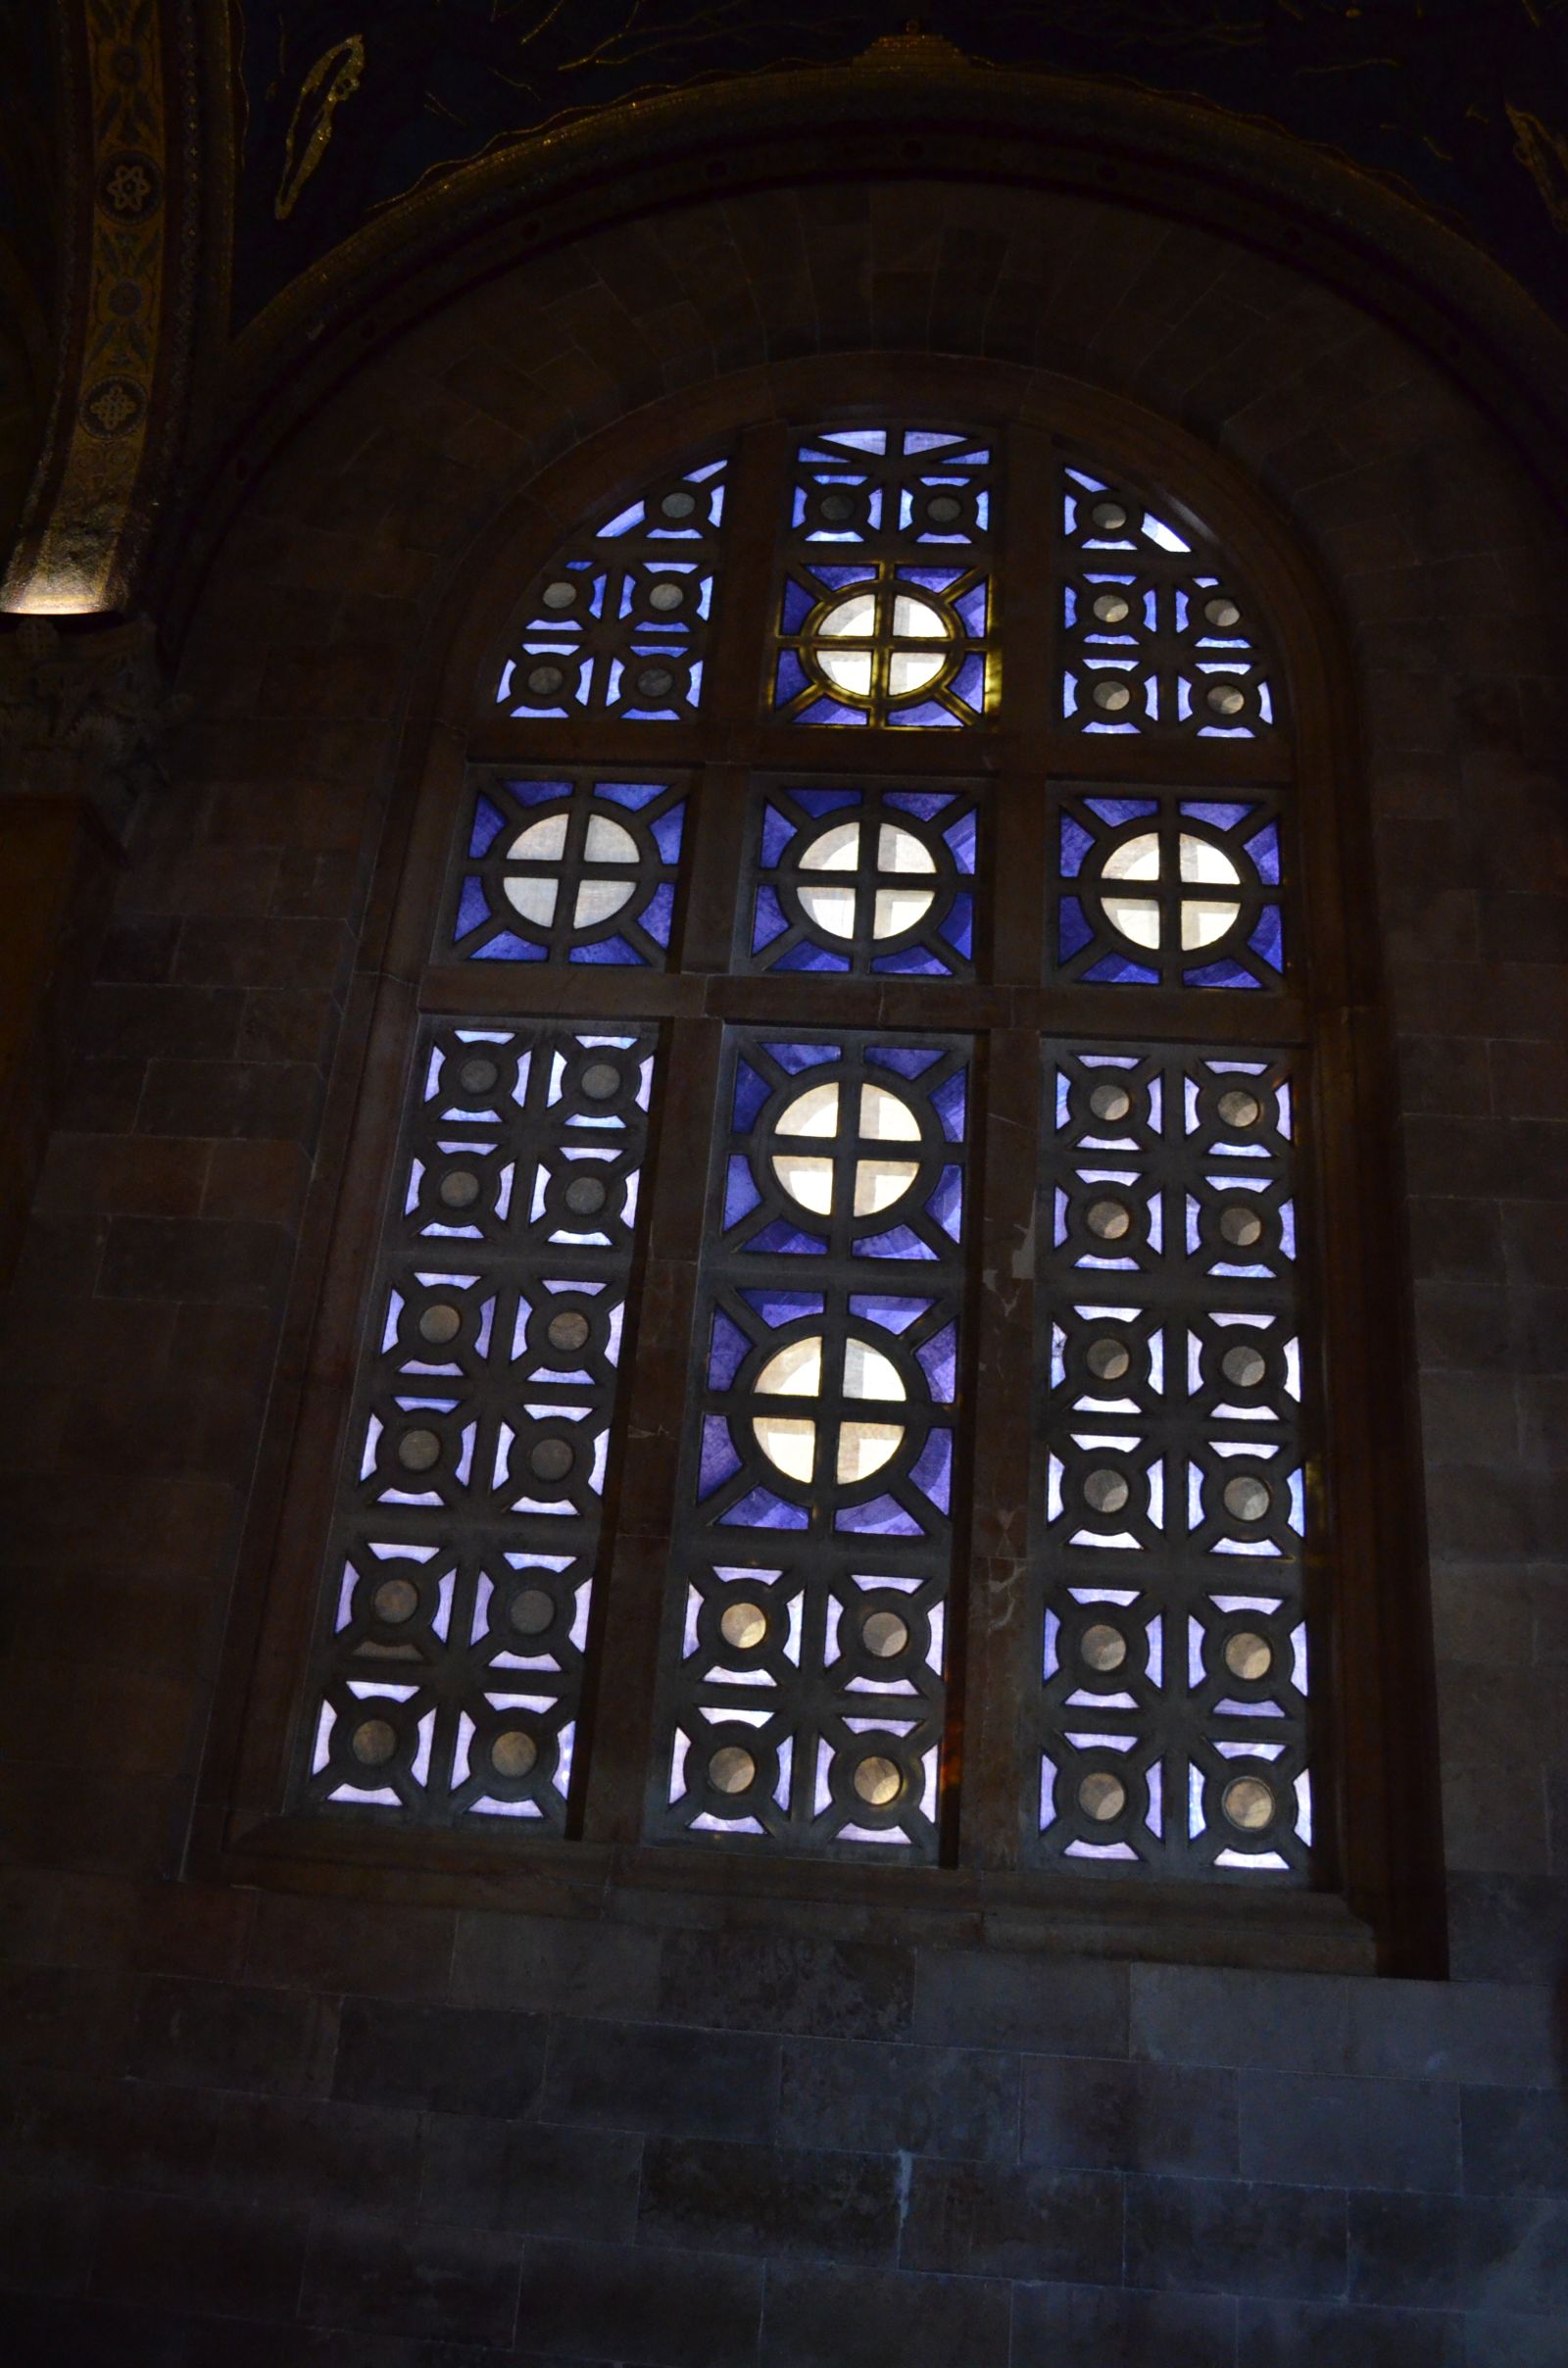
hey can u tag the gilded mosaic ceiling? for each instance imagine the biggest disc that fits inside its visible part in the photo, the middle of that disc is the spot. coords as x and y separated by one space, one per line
349 104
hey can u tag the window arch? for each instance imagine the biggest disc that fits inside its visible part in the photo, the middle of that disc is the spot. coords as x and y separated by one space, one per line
750 1451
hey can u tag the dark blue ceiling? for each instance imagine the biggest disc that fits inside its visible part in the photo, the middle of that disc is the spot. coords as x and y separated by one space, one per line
1464 102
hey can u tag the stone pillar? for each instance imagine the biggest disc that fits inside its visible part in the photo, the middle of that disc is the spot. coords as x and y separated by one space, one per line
80 713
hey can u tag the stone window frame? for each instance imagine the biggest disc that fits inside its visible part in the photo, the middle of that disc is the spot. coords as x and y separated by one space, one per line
1376 1897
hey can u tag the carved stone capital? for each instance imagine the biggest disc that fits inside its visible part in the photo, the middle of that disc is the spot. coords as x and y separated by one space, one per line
84 714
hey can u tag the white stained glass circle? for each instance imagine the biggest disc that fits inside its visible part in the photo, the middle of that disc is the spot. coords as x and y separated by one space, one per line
789 1441
1138 862
904 867
606 842
807 1175
853 618
543 842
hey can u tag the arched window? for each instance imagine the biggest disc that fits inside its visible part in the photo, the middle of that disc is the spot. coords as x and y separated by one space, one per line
844 1372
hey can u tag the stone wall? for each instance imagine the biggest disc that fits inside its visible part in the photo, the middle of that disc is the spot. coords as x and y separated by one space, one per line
239 2124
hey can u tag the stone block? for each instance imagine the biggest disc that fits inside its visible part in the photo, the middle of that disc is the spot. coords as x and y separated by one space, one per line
982 2220
218 2035
1211 2015
1241 2236
529 2176
1515 2142
766 1981
1317 2132
1089 2114
231 1264
1489 2034
309 1941
445 2059
181 2253
554 1964
708 2195
858 2318
989 1999
1284 2334
664 2309
404 2278
882 2099
700 2084
1108 2327
1443 2253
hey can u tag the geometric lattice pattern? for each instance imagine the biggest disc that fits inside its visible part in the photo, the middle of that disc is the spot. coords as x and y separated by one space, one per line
877 880
461 1569
1166 889
1170 1511
575 870
619 623
803 1666
885 613
1154 639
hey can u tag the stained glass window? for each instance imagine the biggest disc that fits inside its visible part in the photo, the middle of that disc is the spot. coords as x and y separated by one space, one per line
862 952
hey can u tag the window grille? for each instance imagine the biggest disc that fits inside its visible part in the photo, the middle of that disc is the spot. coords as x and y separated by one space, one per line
881 836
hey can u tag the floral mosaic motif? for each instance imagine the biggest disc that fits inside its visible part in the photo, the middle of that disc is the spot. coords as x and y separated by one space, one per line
876 880
885 614
618 625
582 870
1171 1523
464 1561
803 1667
1163 888
1157 638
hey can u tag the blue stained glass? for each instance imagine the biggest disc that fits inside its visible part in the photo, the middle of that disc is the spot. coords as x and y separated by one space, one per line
508 948
761 1509
777 832
859 571
1219 817
1265 850
880 1516
925 439
950 1102
863 440
893 1314
908 1060
959 925
929 715
1116 811
1075 845
833 710
926 803
930 579
487 823
808 955
792 678
797 606
900 1243
727 1351
939 1361
798 1057
933 1473
719 1461
782 1239
971 608
825 801
969 682
946 1204
658 913
1268 938
960 837
610 953
1073 929
768 921
636 794
751 1096
741 1194
540 793
473 909
1228 973
778 1308
914 962
1119 969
